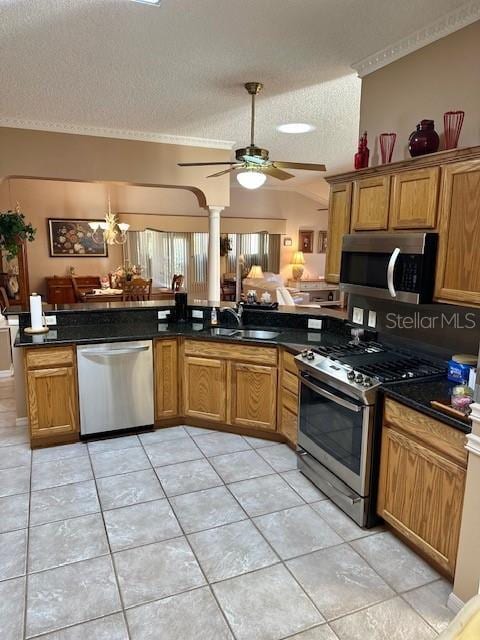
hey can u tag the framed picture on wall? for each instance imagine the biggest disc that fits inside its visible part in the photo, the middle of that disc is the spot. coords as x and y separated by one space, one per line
305 241
70 238
322 242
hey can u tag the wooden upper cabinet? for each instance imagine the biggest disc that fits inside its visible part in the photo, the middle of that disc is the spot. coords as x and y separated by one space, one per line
254 396
338 225
458 271
205 388
413 199
166 379
371 197
52 395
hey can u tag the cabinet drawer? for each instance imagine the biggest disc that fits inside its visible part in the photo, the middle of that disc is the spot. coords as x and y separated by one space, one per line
288 360
290 400
242 352
290 382
50 356
436 435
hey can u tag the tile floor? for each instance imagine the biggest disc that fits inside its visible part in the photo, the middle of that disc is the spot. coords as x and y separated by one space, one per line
187 533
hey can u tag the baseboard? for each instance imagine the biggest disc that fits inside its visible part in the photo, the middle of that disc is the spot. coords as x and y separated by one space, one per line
454 603
21 422
7 373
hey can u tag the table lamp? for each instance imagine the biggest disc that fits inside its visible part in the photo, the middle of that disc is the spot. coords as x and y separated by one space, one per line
297 263
255 271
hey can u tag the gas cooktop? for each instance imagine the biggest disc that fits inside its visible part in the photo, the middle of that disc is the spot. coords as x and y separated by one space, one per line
361 367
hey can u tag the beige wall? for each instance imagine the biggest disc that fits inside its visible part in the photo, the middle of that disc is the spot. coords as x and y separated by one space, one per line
64 156
441 77
141 207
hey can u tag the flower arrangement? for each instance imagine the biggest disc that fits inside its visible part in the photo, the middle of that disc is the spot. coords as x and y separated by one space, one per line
127 271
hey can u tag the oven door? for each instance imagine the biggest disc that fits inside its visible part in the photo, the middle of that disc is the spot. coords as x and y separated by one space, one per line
337 430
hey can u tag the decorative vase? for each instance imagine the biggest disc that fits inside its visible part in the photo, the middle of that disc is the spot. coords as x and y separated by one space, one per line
424 140
361 158
452 125
387 143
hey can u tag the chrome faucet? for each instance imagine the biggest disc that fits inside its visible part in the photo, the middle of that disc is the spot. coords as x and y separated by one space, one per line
236 313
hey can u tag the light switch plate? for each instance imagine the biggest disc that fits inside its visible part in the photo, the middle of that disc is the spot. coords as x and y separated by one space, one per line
50 320
372 319
357 316
197 313
163 315
314 323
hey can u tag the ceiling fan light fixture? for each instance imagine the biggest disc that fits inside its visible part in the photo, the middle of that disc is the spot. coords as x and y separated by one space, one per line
295 127
155 3
251 179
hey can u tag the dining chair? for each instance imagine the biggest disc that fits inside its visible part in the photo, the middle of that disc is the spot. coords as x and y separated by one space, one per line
137 290
4 301
79 295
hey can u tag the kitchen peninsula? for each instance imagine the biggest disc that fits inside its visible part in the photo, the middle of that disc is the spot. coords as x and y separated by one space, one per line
246 381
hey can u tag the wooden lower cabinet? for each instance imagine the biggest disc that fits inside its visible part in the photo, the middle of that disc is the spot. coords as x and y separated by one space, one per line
421 487
231 384
205 388
253 396
166 379
52 395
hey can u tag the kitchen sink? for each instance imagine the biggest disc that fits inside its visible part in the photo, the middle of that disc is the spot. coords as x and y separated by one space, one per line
252 334
257 334
220 331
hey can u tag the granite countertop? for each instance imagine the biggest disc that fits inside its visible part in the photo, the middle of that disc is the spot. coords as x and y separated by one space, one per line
418 394
293 339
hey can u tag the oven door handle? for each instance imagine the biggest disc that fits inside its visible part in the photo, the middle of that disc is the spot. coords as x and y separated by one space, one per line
331 396
390 271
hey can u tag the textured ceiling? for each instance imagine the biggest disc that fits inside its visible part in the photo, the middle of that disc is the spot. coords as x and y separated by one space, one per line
179 69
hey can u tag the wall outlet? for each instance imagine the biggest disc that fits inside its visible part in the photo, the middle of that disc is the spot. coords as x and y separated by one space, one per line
163 315
357 316
50 320
197 313
314 323
372 319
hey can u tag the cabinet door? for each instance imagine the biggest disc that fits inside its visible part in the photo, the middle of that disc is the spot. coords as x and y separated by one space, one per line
338 225
414 199
254 396
421 496
166 379
288 416
205 388
370 204
52 402
458 274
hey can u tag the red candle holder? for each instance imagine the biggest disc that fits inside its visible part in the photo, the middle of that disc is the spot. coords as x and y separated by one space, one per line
452 124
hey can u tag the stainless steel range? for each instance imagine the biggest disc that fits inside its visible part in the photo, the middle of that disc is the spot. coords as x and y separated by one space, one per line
338 397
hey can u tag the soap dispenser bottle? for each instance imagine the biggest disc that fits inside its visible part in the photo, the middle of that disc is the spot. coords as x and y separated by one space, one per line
213 316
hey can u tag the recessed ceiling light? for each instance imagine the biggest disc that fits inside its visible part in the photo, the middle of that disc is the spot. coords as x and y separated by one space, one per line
295 127
152 2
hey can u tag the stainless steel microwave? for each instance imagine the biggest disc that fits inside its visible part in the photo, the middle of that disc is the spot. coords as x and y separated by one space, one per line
393 266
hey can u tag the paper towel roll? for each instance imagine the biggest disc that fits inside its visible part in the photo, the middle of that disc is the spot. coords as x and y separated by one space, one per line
36 314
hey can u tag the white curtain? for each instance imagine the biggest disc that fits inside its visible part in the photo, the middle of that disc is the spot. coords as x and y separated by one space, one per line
253 247
163 254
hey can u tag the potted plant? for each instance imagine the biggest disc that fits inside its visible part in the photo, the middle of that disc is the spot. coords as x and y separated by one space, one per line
13 231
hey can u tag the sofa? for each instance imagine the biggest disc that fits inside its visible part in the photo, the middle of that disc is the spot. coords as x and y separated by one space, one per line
271 282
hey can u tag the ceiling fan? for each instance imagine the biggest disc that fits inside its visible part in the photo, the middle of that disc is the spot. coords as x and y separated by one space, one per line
253 160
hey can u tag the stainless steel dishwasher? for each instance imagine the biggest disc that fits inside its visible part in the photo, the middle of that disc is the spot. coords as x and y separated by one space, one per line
115 383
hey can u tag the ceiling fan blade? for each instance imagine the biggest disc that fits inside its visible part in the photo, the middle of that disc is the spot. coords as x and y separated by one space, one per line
222 173
300 165
203 164
276 173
